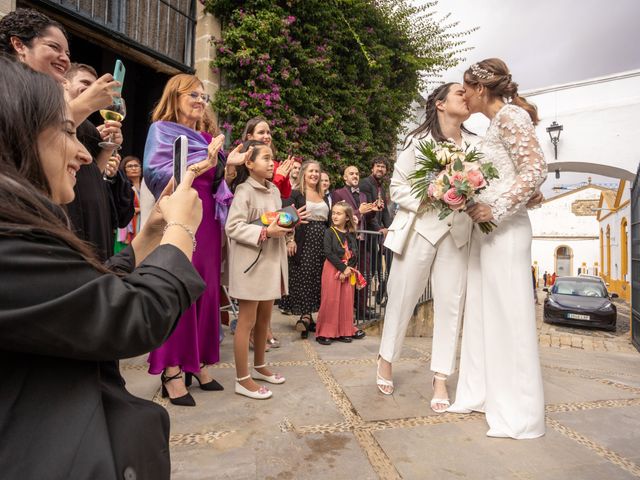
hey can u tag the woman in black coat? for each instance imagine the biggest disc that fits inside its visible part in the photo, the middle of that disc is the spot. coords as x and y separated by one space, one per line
64 317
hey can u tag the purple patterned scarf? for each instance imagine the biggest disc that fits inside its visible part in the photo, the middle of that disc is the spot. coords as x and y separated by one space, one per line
158 161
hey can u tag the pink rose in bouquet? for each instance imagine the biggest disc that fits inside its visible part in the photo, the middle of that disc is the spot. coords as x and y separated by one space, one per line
476 178
454 200
456 176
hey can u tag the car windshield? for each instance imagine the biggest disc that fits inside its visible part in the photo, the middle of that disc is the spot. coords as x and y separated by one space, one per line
580 288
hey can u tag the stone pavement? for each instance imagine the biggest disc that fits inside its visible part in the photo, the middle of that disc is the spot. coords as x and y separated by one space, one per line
329 421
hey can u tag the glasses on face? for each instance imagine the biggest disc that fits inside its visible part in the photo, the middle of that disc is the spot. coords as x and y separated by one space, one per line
204 97
132 167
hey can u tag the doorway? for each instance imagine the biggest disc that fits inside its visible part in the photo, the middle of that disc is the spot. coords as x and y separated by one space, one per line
564 256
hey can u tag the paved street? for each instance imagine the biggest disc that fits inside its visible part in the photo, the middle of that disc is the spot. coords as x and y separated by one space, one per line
329 421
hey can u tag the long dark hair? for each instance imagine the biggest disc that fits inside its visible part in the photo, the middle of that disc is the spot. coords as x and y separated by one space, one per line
30 102
250 127
431 124
494 75
25 24
242 172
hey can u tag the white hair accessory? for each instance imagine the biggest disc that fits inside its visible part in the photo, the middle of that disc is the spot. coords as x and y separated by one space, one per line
480 72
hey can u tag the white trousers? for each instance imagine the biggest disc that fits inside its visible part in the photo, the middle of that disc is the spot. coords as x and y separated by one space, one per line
499 364
447 265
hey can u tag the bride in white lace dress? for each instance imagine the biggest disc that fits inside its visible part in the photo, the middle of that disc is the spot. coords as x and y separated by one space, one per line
499 366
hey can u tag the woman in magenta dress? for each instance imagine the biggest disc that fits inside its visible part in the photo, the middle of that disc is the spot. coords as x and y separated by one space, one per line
194 343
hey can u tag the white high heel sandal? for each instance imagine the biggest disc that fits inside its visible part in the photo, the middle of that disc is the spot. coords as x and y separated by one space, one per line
383 382
261 394
276 378
439 401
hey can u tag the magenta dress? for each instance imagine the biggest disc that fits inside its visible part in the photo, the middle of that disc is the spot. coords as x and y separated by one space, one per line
196 338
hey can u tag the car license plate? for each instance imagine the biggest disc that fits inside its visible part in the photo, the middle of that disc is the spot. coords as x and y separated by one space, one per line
577 316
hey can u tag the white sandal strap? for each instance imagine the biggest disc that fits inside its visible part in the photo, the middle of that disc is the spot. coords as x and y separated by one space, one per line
444 401
243 378
383 381
260 366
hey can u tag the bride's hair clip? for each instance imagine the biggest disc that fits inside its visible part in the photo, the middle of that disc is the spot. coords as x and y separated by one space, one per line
480 72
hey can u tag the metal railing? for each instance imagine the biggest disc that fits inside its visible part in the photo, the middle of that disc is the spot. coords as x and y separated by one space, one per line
162 28
374 262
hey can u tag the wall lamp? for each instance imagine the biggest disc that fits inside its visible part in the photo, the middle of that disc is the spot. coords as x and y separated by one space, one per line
554 133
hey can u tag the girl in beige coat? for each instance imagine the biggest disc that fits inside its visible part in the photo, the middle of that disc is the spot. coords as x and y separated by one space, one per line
258 267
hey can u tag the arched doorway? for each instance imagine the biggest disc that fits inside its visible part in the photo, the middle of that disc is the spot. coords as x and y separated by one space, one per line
564 261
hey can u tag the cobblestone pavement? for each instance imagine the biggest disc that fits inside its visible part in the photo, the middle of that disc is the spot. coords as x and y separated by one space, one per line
329 421
557 336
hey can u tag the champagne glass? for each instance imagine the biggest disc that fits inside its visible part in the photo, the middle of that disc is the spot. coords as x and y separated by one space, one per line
115 112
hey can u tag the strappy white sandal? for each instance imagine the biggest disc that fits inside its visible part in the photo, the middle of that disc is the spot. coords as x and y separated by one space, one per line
383 382
276 378
439 401
261 394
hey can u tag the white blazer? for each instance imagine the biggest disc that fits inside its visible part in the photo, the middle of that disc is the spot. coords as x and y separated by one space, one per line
425 223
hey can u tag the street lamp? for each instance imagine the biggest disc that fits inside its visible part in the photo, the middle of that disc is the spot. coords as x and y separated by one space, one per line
554 133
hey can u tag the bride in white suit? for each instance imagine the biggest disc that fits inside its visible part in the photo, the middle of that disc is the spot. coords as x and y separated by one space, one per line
499 365
424 246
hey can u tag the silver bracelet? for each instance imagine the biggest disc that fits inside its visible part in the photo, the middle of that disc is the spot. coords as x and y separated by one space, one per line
185 228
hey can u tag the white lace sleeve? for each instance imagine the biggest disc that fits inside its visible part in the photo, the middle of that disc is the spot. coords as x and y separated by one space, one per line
518 137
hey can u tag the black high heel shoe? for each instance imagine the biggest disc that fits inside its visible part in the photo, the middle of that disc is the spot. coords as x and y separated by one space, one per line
211 386
183 401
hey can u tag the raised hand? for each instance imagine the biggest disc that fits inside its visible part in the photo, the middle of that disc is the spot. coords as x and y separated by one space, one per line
112 165
111 129
237 158
183 205
285 167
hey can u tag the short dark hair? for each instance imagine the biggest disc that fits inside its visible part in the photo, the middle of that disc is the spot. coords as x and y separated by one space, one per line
25 24
383 160
78 67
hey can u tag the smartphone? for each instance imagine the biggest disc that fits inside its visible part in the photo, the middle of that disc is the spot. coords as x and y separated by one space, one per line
118 76
180 147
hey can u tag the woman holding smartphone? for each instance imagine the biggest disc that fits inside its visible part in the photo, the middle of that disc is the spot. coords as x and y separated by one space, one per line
64 317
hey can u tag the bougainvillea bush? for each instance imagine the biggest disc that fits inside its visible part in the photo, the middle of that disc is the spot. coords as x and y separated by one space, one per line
336 79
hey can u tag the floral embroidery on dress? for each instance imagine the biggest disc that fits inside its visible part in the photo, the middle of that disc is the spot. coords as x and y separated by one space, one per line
511 144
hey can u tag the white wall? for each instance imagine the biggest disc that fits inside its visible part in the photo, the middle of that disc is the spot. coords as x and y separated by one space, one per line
554 225
584 251
599 117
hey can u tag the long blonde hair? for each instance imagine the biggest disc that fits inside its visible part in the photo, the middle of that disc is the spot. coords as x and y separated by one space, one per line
348 211
167 108
302 186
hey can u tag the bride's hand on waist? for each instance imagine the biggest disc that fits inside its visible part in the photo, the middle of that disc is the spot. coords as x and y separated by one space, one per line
480 212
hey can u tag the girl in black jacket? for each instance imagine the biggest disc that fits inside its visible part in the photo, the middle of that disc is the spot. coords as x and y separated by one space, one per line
339 278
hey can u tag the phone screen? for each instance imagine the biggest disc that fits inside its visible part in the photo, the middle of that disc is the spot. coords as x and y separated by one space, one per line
180 146
118 75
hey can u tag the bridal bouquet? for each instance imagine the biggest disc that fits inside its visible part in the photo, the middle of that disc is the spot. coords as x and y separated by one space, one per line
448 177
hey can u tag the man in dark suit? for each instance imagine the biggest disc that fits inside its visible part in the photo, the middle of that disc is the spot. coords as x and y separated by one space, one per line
351 194
362 208
379 221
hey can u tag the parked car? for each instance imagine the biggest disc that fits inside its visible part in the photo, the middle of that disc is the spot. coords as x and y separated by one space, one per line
580 301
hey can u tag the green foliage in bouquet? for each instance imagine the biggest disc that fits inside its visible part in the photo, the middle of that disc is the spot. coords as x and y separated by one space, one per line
335 78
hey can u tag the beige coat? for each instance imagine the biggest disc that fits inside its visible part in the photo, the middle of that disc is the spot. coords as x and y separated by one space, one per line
270 274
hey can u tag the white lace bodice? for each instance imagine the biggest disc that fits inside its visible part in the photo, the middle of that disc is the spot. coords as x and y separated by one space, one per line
512 146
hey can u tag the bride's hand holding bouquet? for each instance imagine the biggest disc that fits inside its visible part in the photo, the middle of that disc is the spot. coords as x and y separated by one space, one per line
448 177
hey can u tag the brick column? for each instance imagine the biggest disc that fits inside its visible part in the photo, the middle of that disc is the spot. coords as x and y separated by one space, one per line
7 6
207 29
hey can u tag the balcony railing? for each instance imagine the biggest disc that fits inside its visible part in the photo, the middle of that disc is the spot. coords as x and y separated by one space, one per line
164 28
